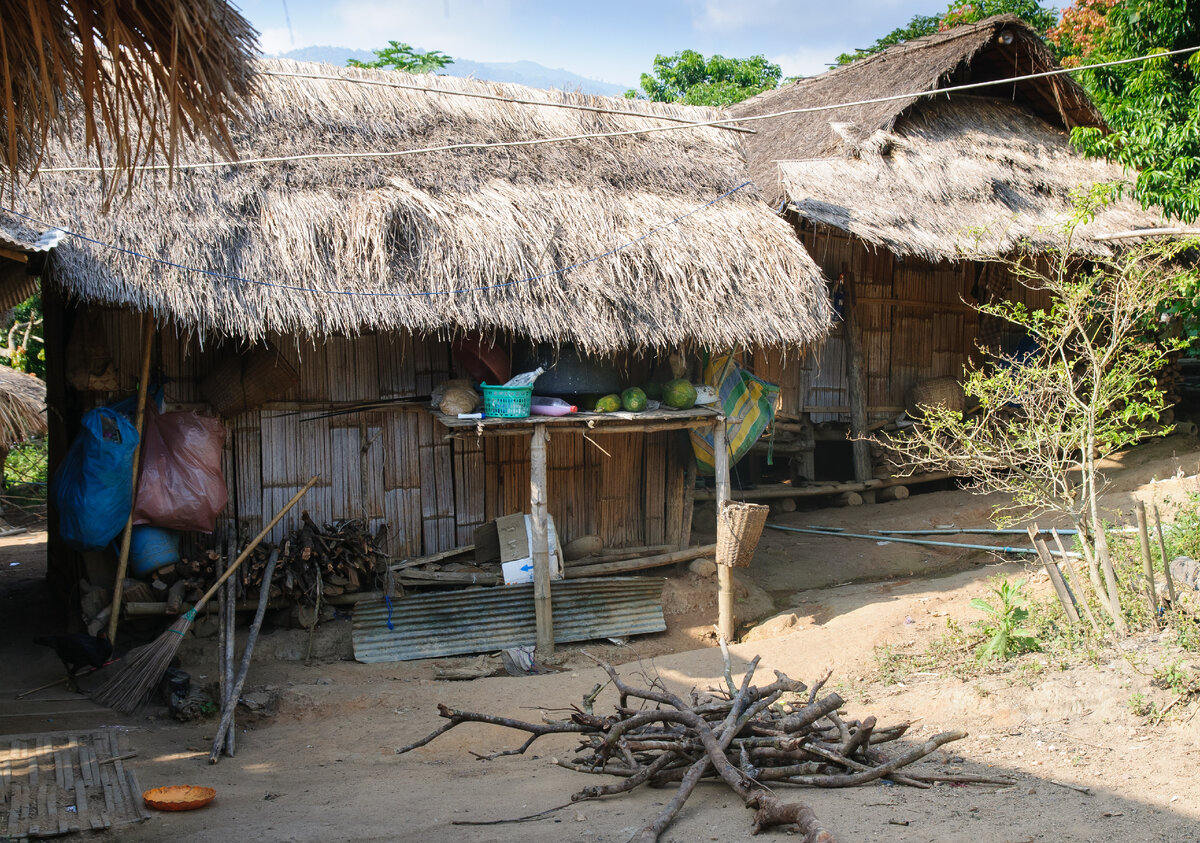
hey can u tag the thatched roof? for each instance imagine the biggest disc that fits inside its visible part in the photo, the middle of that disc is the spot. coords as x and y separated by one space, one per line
399 232
936 176
964 54
22 406
146 72
971 176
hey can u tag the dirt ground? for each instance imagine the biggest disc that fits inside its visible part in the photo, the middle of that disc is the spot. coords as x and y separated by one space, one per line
323 767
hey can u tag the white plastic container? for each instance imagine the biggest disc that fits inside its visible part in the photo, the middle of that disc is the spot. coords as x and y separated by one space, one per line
543 405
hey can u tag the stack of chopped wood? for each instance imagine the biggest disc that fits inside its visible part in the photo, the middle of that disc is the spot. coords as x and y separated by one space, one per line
754 738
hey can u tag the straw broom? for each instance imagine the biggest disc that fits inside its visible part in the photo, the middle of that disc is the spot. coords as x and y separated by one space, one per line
143 667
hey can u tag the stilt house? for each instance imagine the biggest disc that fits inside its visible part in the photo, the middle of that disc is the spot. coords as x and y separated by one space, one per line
372 218
909 201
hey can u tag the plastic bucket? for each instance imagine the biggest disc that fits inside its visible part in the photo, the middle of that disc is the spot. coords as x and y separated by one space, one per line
152 547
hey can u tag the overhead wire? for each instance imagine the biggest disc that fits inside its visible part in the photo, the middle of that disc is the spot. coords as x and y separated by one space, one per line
452 147
212 273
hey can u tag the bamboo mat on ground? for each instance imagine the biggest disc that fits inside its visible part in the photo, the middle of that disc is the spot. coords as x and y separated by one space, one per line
63 782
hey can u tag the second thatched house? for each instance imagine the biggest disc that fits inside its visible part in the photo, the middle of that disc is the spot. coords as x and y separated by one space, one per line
370 220
909 199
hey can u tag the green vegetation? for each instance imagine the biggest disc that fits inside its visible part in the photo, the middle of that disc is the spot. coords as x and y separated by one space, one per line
1005 634
1152 107
400 56
690 78
1041 18
25 474
21 338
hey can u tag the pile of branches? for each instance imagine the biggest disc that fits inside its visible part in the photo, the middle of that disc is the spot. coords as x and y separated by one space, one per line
753 738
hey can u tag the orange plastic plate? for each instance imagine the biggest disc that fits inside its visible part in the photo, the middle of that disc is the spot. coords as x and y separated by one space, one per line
178 797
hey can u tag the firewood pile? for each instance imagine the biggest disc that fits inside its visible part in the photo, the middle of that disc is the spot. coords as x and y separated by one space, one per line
315 564
753 737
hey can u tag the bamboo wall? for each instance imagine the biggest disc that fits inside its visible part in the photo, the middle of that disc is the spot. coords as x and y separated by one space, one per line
397 466
916 322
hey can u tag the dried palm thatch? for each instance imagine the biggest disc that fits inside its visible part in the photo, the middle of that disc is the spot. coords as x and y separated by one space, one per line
972 177
975 174
146 72
442 242
22 407
979 52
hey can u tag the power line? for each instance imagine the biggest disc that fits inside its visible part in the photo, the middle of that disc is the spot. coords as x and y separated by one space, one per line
314 156
365 294
495 97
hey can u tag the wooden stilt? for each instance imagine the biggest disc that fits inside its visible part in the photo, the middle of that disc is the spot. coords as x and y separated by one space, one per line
725 619
856 383
541 544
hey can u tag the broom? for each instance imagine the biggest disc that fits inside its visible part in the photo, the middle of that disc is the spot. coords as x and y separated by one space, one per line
143 667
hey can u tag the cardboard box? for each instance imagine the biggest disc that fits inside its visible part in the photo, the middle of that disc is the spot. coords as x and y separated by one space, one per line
510 538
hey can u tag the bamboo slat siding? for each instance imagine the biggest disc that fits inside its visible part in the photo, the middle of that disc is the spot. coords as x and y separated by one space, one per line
917 323
430 491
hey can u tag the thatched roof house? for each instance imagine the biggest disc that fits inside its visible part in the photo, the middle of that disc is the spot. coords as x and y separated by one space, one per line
908 197
22 408
371 218
977 173
356 235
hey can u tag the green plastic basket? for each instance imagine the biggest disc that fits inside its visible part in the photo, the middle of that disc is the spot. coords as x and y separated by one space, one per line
506 402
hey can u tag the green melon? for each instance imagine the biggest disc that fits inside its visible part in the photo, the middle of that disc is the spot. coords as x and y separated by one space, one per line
633 399
653 390
679 394
608 404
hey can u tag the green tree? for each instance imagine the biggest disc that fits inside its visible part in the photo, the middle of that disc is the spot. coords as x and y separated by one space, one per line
690 78
1152 107
1041 18
1046 418
400 56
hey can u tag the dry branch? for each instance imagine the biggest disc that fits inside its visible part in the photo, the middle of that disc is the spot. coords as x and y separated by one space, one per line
744 734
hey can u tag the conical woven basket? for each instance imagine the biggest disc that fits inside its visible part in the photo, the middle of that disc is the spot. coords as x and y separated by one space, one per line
743 526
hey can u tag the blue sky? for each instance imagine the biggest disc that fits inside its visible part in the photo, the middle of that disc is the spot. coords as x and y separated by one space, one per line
613 40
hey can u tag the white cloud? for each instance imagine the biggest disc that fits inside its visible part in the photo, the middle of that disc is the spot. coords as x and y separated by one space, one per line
470 28
807 61
276 41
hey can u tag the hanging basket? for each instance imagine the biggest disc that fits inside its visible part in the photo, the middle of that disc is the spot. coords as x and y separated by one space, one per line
743 526
248 380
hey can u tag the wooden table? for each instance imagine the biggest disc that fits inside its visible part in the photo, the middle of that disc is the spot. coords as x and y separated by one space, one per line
538 429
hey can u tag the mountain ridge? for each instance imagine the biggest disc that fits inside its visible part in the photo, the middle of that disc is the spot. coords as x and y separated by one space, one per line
528 73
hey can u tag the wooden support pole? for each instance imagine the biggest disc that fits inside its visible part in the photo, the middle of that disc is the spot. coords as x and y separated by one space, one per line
725 619
892 493
1065 597
1147 559
139 424
541 541
1166 563
856 384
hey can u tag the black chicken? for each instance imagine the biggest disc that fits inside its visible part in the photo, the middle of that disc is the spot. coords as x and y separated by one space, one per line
78 650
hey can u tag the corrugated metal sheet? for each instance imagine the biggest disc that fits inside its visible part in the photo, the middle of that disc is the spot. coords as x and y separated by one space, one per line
43 243
486 619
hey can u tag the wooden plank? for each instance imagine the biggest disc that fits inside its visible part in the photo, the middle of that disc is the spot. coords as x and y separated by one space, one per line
82 815
136 788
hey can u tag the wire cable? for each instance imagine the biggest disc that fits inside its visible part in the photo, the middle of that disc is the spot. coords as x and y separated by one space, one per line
212 273
452 147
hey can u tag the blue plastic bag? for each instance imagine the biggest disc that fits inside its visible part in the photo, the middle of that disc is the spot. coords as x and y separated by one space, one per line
93 487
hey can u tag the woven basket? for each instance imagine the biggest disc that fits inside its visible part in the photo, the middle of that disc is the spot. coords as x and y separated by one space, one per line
935 392
743 524
243 382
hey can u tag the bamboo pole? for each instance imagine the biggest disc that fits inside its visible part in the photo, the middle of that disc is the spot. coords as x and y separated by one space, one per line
1065 597
1139 509
725 619
229 702
1162 550
1083 601
540 541
625 566
139 424
818 489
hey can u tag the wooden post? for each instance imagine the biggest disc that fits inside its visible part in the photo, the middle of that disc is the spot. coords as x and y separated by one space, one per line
1162 550
123 558
541 541
1147 560
725 620
856 385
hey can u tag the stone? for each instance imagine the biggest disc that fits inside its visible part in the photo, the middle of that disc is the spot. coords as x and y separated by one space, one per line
781 624
703 567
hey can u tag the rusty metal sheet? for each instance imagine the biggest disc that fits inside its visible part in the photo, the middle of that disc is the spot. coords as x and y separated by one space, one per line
479 620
